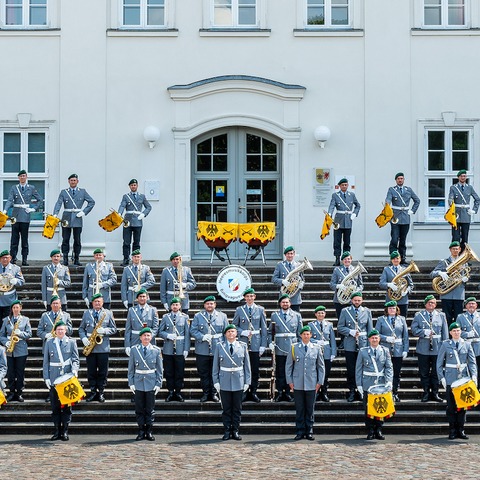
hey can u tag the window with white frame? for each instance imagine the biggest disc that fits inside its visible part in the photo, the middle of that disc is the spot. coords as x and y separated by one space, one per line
445 13
447 151
24 13
24 150
328 13
234 13
143 13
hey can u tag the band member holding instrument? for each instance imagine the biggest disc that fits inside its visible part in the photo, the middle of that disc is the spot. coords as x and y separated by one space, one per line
461 194
283 331
281 272
393 331
399 197
145 373
24 200
355 322
14 333
251 324
207 329
11 277
324 335
55 278
305 373
136 277
73 199
136 208
373 367
469 322
430 326
456 360
175 331
98 277
231 377
60 357
176 281
347 207
97 360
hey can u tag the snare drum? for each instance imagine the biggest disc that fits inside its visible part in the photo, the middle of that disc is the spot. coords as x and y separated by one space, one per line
68 389
465 393
380 405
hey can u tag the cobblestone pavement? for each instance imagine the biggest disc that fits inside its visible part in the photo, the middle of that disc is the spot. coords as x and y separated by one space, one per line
275 457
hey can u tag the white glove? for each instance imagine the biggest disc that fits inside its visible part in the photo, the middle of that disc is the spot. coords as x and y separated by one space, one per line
271 346
87 303
427 332
353 216
245 387
390 339
132 388
406 291
388 385
465 279
444 276
80 214
17 331
48 383
410 212
141 216
127 351
156 389
125 303
7 344
444 383
404 355
301 284
4 212
261 351
470 334
352 332
245 333
285 282
217 387
332 358
29 210
392 286
207 338
165 306
75 373
13 281
136 288
171 336
101 331
184 284
48 335
85 341
341 287
360 390
470 211
185 354
45 304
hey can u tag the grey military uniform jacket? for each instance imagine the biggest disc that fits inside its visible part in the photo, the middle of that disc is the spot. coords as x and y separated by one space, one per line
344 208
145 371
63 276
452 368
287 330
280 273
470 330
257 323
339 273
130 285
421 322
324 335
136 320
462 201
108 279
398 330
169 285
178 326
21 348
399 198
201 325
55 366
388 275
7 298
133 207
231 371
19 200
72 204
373 369
305 370
458 293
88 324
346 322
48 320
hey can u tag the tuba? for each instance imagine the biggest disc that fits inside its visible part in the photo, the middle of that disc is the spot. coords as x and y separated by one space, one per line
95 338
350 284
401 282
5 284
294 278
455 271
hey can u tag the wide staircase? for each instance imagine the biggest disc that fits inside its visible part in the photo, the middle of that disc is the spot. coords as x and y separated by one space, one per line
116 416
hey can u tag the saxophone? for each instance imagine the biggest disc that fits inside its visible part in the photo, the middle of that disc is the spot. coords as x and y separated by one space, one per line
401 282
350 284
14 339
95 338
294 278
181 293
455 271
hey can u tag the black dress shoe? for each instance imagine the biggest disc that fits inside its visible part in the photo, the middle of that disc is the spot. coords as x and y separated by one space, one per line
279 398
204 398
77 262
125 263
298 436
289 398
453 434
19 398
56 435
65 263
101 398
140 436
25 263
226 435
10 397
310 436
425 397
370 434
337 262
436 397
179 397
13 261
149 436
461 434
324 397
236 435
215 398
64 437
255 398
91 397
379 435
351 397
170 397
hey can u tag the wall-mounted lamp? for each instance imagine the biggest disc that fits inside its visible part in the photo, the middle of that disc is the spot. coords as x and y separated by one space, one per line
322 134
151 134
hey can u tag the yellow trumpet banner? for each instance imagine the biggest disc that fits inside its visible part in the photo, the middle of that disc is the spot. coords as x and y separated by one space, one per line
263 231
327 223
51 223
215 230
466 396
3 219
380 406
451 216
384 216
70 392
2 398
111 222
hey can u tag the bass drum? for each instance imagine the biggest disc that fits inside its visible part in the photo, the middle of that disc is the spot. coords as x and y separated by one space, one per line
232 281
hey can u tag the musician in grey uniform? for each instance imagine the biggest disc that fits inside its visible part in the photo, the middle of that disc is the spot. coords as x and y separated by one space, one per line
10 274
355 322
19 326
399 197
305 372
347 207
97 361
175 331
145 373
231 377
60 357
373 367
48 320
136 277
136 208
430 326
283 331
280 274
73 199
324 335
107 278
393 331
452 301
207 330
469 322
251 324
461 194
51 271
456 360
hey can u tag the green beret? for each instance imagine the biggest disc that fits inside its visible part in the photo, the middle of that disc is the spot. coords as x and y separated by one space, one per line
288 249
229 327
54 297
55 252
140 292
428 298
345 254
282 297
144 330
394 254
320 308
22 172
98 250
356 294
391 303
373 332
174 255
97 295
342 180
248 291
136 252
210 298
454 244
306 328
461 172
60 323
470 299
73 175
399 174
16 302
4 252
133 180
175 300
453 325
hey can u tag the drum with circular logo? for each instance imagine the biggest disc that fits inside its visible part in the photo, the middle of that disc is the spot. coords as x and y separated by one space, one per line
232 281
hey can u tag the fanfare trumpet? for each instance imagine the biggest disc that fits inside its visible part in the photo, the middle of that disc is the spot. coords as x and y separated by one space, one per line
112 221
336 226
4 218
51 222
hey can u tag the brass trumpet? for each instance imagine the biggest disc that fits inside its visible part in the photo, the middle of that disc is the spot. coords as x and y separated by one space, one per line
336 226
13 220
